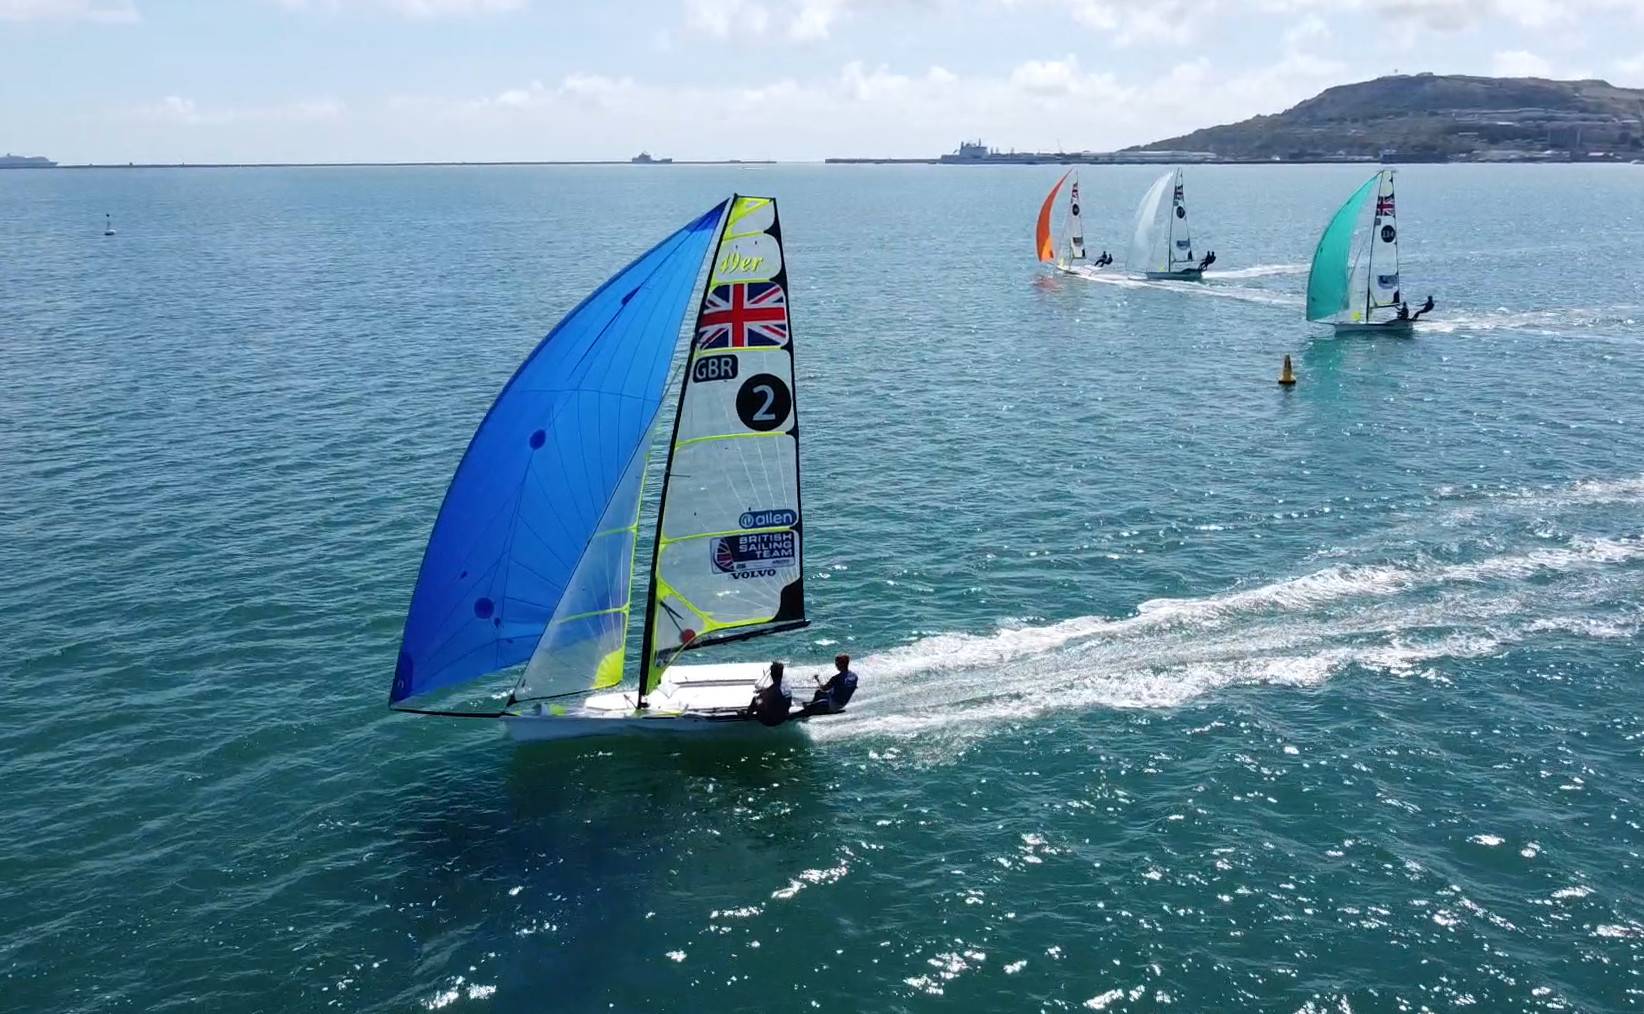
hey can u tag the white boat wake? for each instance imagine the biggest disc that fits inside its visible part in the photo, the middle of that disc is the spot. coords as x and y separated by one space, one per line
1244 293
1259 271
1623 321
1394 618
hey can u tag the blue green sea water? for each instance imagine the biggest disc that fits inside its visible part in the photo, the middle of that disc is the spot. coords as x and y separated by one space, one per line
1181 691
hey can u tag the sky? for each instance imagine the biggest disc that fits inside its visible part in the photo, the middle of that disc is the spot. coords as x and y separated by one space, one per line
474 80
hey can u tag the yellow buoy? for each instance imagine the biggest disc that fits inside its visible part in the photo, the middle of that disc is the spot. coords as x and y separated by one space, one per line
1287 377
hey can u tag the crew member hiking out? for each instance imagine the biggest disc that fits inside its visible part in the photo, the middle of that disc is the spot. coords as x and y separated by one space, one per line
772 702
832 696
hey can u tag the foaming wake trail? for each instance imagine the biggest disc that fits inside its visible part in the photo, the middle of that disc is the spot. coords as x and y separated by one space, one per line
1259 271
1394 618
1572 322
1242 293
1627 489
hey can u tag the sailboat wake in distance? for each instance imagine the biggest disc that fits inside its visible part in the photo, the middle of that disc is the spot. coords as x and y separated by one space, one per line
532 557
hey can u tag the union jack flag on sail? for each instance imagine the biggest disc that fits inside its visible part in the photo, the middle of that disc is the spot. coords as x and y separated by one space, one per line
1177 197
743 315
1384 205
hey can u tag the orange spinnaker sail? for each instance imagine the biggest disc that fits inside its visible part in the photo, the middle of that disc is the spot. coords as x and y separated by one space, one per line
1047 246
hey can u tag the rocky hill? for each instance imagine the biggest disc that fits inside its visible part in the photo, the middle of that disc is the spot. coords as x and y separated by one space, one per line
1438 117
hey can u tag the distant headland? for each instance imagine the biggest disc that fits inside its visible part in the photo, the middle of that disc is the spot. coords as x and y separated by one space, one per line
1399 118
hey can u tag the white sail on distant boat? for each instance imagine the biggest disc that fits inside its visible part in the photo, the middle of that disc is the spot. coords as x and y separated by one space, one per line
1070 253
532 557
1354 283
1162 246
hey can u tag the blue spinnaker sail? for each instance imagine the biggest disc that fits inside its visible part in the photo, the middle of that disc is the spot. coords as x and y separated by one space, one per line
541 469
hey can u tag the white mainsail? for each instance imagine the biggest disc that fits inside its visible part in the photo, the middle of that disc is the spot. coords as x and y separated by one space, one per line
1161 247
1382 279
728 551
1141 256
1178 236
1076 225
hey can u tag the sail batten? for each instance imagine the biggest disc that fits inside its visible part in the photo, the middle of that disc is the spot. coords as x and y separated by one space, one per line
542 470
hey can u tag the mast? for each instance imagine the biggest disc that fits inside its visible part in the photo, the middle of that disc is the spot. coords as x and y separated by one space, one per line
1370 254
1170 232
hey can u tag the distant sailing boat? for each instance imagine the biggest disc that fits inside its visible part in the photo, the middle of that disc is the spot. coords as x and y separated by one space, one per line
108 225
1164 249
531 558
1066 255
1338 293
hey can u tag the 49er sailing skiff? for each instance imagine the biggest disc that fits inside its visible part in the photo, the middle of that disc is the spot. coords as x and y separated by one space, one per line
1069 253
1354 298
531 559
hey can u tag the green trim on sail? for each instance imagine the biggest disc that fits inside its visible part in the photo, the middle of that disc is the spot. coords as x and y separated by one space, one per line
1328 280
699 586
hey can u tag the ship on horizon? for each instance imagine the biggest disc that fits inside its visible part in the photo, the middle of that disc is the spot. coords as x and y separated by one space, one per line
10 161
645 158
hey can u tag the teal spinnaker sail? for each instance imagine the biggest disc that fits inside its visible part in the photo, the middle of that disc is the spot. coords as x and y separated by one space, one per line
1330 276
542 469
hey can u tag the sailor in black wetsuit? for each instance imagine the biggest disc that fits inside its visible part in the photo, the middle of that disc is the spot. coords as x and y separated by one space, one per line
1424 308
772 702
832 696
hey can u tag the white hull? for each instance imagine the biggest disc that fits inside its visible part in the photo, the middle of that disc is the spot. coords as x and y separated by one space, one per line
1376 327
692 700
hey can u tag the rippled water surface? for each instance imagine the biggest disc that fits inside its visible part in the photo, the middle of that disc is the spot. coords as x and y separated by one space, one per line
1181 690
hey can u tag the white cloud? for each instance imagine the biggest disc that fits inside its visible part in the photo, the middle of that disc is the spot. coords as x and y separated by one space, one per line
797 20
724 18
815 19
1133 21
175 109
1310 33
1630 72
107 11
1520 63
1179 21
413 8
859 110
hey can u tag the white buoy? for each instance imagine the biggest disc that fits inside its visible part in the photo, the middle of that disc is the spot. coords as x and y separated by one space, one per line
108 225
